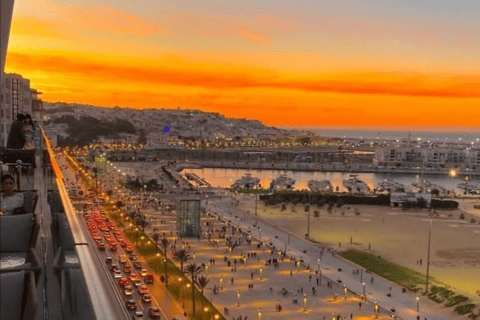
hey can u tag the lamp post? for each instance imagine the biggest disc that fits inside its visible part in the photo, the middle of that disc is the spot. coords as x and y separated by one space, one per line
304 302
238 298
428 252
261 273
345 290
376 308
364 296
221 282
259 314
260 233
418 304
205 310
181 292
318 265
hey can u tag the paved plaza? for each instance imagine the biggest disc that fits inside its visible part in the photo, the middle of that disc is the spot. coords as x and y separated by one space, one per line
252 277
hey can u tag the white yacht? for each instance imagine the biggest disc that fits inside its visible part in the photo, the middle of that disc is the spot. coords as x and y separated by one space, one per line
320 185
283 182
428 187
469 187
354 184
246 182
390 186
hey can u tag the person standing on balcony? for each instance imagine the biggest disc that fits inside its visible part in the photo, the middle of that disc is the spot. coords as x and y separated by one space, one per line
10 201
28 129
16 138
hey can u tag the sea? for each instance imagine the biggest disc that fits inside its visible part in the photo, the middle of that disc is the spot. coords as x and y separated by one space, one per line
439 136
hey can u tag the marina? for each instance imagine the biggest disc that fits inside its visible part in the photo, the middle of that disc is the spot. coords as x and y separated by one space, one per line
224 178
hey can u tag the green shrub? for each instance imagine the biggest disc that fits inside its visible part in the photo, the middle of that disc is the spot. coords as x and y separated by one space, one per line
456 300
466 308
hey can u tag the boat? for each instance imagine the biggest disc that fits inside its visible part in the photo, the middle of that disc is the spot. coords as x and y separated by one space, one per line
354 184
246 182
390 186
469 187
320 185
283 182
428 187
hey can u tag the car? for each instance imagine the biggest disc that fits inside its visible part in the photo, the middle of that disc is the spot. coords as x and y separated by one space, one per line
143 289
117 274
101 246
108 260
137 283
131 305
127 269
113 267
137 265
139 315
154 313
123 258
143 272
149 279
123 282
128 290
134 277
146 298
133 256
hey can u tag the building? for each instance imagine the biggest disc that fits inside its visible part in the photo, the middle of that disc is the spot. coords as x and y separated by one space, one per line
465 160
17 97
6 10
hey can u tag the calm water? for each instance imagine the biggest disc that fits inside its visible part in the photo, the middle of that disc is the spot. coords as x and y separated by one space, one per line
441 136
224 178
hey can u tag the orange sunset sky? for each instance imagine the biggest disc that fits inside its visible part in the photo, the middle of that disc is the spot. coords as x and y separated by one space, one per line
367 64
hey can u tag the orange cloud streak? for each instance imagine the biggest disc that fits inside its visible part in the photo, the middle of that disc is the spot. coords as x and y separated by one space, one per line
214 78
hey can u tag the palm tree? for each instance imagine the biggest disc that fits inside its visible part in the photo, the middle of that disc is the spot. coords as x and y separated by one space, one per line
156 237
181 256
202 282
165 244
193 270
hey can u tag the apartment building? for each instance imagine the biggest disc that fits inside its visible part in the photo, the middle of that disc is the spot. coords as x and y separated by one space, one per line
428 158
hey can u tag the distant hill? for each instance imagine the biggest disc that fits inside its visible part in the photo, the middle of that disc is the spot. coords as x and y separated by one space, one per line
182 123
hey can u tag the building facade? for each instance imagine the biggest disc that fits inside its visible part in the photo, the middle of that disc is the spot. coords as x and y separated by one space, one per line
17 97
429 158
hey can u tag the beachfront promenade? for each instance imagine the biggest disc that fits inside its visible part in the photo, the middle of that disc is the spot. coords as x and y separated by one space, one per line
404 303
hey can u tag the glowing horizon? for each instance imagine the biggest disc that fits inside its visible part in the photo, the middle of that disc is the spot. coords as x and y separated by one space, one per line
314 64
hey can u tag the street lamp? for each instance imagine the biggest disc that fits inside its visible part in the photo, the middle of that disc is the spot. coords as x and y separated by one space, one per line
259 313
376 308
261 273
221 282
418 304
364 296
318 265
304 302
260 233
181 291
345 290
238 297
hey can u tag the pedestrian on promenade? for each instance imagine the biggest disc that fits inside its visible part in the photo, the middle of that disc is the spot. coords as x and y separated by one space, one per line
371 280
360 306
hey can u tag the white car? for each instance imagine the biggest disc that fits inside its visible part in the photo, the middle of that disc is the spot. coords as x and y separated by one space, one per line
117 274
128 290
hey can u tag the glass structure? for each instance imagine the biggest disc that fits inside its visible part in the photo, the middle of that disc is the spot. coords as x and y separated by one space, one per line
188 218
